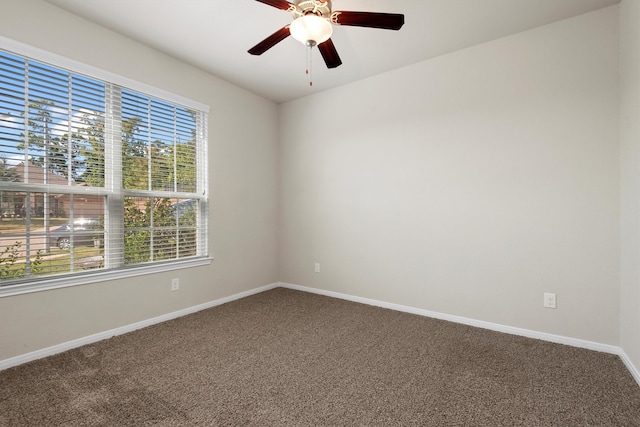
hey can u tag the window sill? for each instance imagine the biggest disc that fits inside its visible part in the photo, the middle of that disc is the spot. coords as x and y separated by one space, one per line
101 276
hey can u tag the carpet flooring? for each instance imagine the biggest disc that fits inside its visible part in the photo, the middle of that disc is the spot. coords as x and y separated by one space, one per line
289 358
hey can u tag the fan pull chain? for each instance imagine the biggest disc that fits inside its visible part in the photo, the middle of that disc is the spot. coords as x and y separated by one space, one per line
309 70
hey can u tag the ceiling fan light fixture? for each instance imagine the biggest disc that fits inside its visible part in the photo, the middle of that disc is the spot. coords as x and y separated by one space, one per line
311 30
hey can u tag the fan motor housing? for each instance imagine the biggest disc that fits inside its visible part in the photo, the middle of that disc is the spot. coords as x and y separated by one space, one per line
315 7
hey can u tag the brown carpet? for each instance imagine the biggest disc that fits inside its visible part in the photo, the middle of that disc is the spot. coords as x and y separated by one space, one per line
289 358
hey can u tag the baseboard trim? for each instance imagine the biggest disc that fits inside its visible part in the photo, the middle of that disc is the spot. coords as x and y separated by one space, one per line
574 342
630 366
59 348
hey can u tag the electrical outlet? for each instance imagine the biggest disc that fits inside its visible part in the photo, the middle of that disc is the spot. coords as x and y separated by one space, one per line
549 300
175 284
317 268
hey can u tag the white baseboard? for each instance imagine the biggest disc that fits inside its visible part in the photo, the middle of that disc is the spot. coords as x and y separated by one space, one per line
59 348
559 339
630 366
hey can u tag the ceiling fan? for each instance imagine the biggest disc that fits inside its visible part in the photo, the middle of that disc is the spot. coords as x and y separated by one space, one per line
312 25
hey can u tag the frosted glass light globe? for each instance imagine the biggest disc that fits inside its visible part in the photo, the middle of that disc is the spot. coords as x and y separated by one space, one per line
311 30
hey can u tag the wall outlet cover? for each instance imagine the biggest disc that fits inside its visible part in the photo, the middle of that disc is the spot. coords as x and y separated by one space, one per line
549 300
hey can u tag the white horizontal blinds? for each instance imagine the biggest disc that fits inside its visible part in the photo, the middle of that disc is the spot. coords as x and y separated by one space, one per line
52 220
202 217
94 176
186 137
159 150
86 131
159 144
189 237
159 229
114 211
12 102
47 111
65 126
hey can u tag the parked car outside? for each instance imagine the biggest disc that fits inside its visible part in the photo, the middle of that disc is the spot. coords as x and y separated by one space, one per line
85 232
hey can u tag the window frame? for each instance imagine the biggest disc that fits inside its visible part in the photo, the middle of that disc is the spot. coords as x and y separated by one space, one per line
125 271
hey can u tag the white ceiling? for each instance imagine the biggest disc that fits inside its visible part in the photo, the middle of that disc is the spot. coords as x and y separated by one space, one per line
214 35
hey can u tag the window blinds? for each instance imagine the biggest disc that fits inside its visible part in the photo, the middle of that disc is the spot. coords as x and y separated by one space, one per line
94 175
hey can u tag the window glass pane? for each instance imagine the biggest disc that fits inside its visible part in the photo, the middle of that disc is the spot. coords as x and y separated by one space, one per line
12 101
186 221
85 133
159 229
135 141
149 229
69 238
185 149
159 144
64 118
47 109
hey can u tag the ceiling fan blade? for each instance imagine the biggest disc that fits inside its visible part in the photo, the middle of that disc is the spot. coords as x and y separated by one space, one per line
278 4
329 54
270 41
385 21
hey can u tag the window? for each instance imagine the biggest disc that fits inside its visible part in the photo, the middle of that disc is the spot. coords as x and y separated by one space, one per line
95 176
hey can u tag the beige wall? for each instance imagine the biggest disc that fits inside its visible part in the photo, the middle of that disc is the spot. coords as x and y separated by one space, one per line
242 178
630 179
469 184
